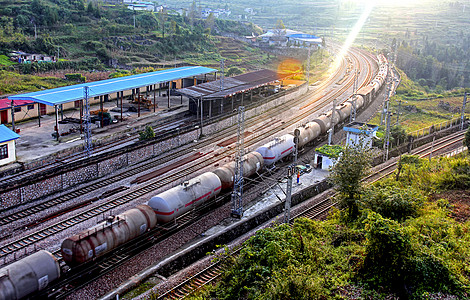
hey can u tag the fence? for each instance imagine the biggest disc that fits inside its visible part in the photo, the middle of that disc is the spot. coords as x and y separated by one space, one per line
434 128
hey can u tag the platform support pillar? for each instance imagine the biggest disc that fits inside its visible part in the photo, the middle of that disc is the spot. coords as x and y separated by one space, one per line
154 97
56 122
39 114
81 116
202 114
101 110
169 83
210 108
122 96
12 115
138 103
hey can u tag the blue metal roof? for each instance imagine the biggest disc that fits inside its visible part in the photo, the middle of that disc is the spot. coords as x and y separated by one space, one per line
6 134
76 92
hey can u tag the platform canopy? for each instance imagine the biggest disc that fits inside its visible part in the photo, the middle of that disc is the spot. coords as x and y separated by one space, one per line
6 134
233 85
72 93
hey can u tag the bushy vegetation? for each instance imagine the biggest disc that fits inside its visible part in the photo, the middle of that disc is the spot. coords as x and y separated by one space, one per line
400 244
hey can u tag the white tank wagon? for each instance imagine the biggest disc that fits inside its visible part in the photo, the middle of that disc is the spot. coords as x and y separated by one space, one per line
252 163
307 133
277 149
28 275
108 235
178 200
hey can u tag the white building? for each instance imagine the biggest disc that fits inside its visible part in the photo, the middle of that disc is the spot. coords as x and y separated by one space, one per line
358 132
142 6
7 145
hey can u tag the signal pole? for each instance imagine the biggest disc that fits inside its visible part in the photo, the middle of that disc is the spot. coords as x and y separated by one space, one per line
290 174
237 194
87 130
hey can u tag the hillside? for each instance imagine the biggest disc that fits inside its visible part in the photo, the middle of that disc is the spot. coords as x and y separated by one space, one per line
93 35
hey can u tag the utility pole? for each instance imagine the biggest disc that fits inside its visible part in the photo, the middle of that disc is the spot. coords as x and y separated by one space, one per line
387 137
462 118
290 174
333 117
308 67
398 112
237 194
222 64
87 130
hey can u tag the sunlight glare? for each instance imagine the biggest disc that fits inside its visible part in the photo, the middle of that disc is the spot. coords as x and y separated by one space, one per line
351 37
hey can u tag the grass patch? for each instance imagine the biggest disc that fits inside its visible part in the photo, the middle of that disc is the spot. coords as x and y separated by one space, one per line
5 61
11 82
419 109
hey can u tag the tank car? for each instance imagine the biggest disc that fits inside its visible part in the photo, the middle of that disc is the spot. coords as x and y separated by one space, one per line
28 275
108 235
324 122
178 200
252 163
308 133
277 149
344 111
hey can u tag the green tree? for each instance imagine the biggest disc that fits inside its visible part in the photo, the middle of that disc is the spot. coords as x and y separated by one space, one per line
232 71
388 246
192 13
162 17
147 134
352 166
466 141
210 21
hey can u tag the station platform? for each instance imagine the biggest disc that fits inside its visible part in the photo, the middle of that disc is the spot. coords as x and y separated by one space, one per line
36 142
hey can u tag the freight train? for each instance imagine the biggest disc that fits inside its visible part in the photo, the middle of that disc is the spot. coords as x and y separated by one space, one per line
34 272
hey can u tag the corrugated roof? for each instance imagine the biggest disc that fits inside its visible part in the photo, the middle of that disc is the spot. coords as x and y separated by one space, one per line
6 134
76 92
6 103
233 85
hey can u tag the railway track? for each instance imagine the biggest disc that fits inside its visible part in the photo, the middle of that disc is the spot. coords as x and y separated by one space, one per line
213 272
42 234
422 152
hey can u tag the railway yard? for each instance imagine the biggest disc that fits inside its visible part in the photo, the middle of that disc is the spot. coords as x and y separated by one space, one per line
65 198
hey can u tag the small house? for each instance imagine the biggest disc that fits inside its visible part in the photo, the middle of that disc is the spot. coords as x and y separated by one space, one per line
358 132
326 156
7 145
